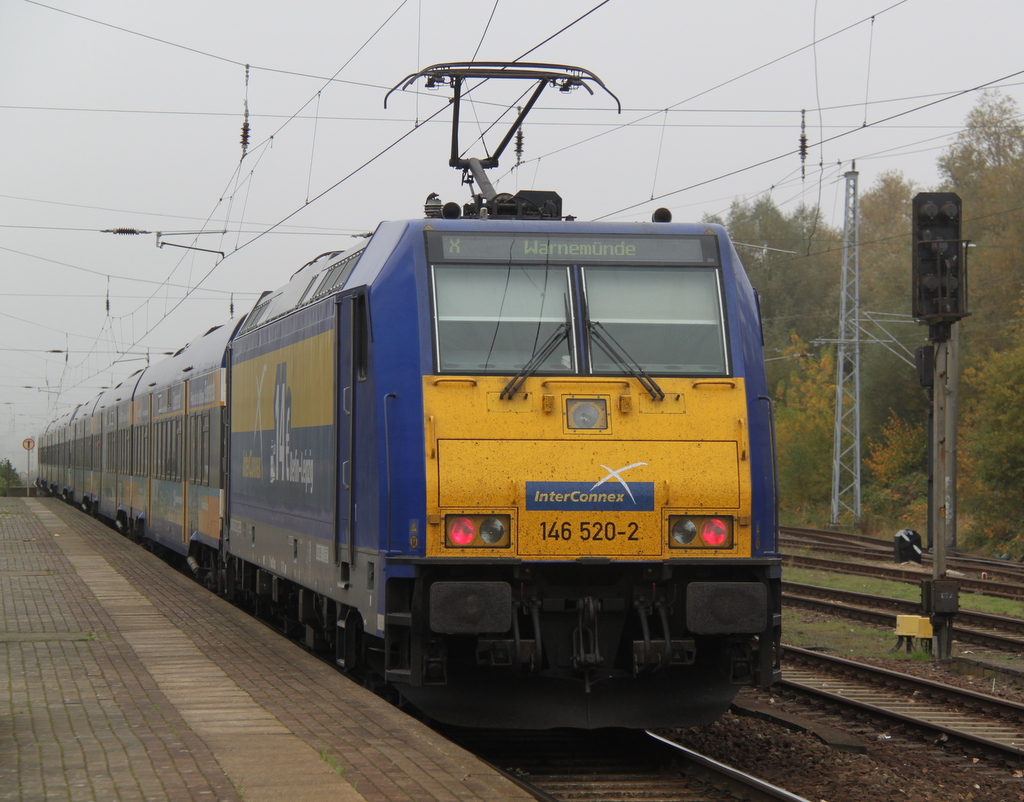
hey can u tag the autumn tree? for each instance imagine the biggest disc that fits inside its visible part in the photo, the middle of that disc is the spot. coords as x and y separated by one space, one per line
993 440
985 166
897 463
804 415
793 261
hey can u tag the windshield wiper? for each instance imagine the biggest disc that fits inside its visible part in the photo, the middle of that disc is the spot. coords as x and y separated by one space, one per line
621 357
559 334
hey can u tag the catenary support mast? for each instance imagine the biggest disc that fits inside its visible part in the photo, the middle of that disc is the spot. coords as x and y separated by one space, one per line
846 442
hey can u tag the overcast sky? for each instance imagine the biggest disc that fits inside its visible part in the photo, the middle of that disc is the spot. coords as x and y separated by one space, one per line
118 114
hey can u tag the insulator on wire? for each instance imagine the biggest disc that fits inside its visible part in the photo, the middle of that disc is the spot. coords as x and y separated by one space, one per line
803 142
245 115
124 231
519 143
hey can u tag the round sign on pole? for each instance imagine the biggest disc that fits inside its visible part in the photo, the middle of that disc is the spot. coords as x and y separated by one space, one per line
28 443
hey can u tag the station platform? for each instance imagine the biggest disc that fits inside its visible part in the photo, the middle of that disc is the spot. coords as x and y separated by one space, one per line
122 679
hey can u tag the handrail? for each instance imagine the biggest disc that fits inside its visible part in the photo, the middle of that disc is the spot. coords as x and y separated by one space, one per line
586 380
715 383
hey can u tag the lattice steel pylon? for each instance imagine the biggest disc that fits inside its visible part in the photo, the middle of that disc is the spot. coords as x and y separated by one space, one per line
846 443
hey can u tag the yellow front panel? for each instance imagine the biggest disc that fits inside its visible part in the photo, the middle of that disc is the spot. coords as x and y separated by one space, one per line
572 492
496 469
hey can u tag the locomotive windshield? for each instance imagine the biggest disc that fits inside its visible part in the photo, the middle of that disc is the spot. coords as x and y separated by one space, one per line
669 320
503 302
495 318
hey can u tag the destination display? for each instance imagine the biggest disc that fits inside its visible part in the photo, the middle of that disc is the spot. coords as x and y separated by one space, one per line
446 246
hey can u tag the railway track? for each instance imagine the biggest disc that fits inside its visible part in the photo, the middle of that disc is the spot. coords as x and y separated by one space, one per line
982 629
988 587
872 549
612 765
997 725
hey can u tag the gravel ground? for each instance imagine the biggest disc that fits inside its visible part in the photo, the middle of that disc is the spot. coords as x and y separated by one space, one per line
940 672
896 769
897 764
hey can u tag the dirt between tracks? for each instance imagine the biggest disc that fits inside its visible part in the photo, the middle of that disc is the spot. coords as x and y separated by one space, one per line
894 765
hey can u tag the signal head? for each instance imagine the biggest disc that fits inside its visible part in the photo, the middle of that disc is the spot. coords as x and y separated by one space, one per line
939 271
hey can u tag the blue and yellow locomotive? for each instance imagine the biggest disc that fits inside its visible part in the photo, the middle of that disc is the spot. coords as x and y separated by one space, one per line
518 467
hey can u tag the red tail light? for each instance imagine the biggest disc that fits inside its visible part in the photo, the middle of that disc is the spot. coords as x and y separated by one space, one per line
714 532
461 531
700 532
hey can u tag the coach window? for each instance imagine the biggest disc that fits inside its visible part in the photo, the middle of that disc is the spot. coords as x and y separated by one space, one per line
159 440
177 449
199 448
134 439
207 452
138 464
165 448
157 465
143 462
167 451
193 449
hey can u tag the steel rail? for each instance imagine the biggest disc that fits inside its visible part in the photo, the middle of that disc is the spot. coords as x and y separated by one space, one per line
556 766
764 790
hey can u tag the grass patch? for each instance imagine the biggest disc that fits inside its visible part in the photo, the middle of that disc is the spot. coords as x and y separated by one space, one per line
842 638
852 582
899 590
332 761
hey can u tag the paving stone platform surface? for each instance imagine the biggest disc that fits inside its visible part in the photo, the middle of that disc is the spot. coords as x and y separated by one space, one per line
122 679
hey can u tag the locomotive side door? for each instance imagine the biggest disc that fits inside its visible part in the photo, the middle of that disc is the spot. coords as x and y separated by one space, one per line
344 542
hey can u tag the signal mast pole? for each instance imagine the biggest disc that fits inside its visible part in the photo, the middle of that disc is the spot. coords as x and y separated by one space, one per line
846 440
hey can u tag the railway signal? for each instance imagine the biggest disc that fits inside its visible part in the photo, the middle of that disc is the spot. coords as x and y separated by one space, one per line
939 299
